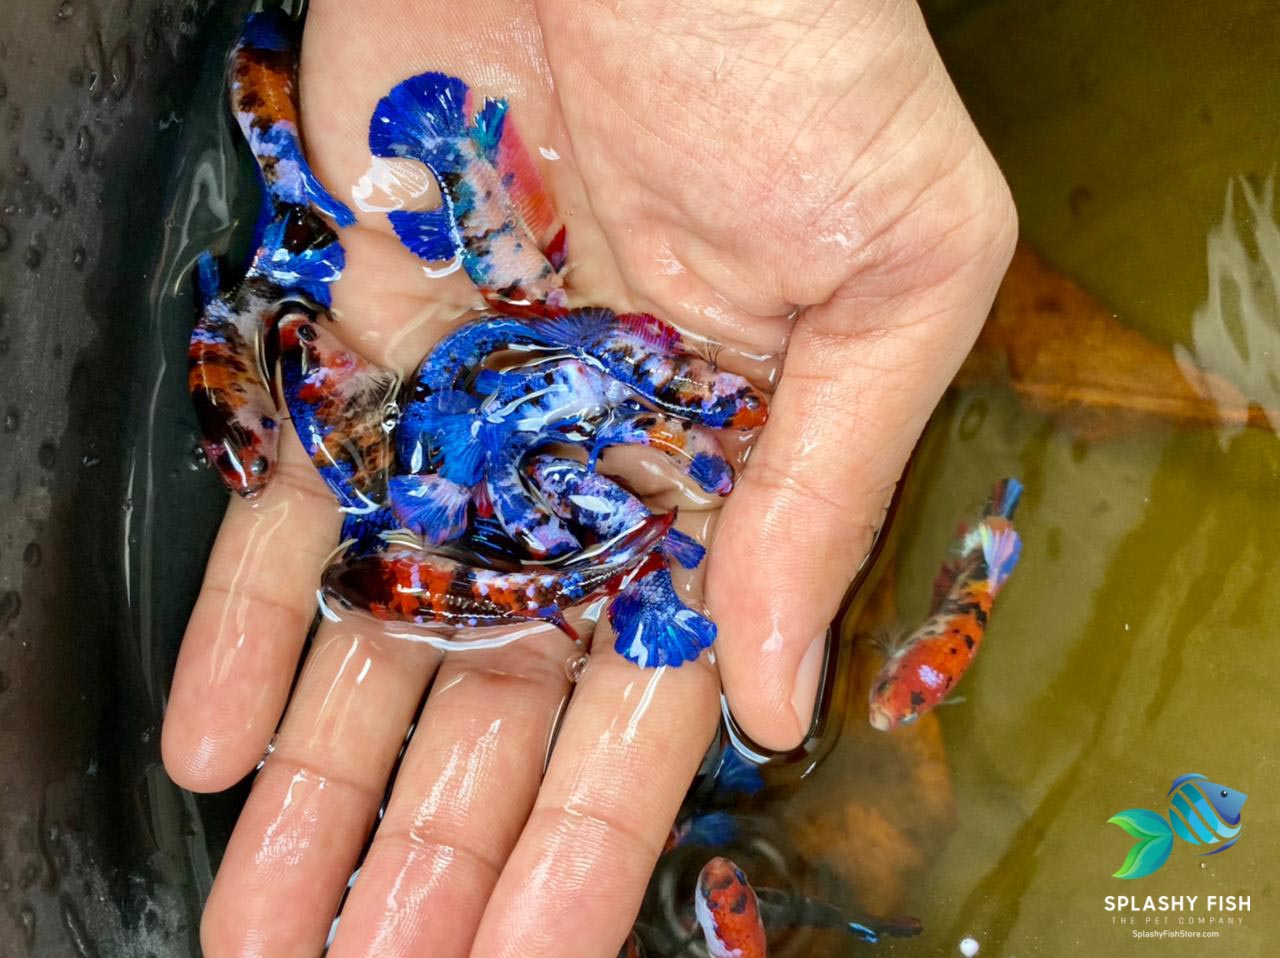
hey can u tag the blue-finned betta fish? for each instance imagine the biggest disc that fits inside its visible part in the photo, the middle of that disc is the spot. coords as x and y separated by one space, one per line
295 255
342 409
495 217
1200 812
925 667
653 626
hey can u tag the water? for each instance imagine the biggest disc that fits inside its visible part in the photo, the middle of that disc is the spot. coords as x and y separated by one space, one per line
1134 641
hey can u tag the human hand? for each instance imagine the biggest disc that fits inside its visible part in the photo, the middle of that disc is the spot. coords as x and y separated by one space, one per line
721 166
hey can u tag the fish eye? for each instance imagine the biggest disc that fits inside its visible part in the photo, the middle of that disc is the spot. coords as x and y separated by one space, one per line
259 466
751 401
307 333
1224 793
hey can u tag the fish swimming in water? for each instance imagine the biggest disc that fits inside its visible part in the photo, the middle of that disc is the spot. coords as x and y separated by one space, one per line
1200 813
342 408
406 583
927 665
728 912
495 218
296 254
694 450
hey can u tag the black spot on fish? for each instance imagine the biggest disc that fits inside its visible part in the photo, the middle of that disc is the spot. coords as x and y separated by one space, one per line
917 700
981 616
968 641
953 650
739 904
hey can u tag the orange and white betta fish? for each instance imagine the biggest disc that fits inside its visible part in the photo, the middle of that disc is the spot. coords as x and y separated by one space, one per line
924 669
729 912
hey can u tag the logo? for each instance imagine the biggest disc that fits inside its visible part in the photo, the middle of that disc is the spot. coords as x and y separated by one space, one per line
1200 813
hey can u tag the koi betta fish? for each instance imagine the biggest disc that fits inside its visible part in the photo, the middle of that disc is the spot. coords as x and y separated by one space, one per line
653 626
729 912
295 255
925 667
1200 813
406 584
342 408
495 218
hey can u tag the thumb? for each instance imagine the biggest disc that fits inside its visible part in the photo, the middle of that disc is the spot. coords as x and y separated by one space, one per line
861 377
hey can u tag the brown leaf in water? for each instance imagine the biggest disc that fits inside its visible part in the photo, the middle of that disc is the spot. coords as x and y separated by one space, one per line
1065 354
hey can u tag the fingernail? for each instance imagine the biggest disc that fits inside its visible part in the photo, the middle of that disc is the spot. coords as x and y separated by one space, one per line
804 694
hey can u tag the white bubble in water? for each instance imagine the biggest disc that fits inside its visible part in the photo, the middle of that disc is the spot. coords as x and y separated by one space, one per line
969 947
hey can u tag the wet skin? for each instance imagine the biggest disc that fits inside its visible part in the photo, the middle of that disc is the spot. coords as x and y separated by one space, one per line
722 169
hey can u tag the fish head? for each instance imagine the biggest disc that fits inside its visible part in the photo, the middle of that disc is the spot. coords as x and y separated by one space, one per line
728 911
245 463
1227 802
297 333
892 700
742 405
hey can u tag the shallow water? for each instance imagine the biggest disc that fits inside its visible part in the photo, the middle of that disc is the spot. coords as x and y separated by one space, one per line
1134 642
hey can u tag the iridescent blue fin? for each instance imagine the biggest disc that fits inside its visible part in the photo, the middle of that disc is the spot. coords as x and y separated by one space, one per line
1004 499
366 530
714 830
431 506
310 271
738 776
319 197
487 127
432 235
208 278
1000 550
577 328
654 627
422 118
683 548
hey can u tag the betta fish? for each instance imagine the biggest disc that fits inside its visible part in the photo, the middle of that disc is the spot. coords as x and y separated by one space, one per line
653 626
341 406
649 355
694 450
227 370
404 583
924 668
729 912
296 254
495 219
262 85
1200 813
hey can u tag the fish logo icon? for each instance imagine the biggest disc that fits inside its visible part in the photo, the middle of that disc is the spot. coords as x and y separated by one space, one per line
1200 812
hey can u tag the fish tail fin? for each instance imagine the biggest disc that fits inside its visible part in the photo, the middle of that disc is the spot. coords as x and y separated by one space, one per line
297 251
653 626
873 929
487 127
1154 842
1004 499
320 198
1001 548
431 235
683 548
423 118
208 278
431 506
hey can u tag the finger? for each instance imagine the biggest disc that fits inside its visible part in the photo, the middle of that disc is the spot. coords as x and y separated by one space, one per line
863 373
460 799
256 605
631 743
314 801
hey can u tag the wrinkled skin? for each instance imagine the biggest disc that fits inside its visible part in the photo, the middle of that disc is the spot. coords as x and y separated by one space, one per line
721 165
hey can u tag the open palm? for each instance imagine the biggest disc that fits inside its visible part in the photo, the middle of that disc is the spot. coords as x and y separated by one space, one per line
800 180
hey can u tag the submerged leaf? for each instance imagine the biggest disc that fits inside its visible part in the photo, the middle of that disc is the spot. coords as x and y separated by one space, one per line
1064 353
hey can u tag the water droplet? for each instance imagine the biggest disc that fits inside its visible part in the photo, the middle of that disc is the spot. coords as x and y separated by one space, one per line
10 606
78 257
84 145
32 257
65 10
28 919
89 461
11 419
575 666
32 554
121 68
6 238
47 454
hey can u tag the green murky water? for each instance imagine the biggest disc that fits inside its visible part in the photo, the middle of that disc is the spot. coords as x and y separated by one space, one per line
1138 639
